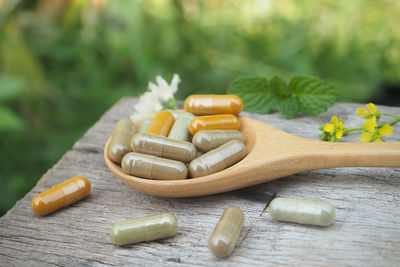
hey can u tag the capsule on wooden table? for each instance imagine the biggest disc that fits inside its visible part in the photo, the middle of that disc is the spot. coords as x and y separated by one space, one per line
218 159
225 235
214 122
302 211
120 139
151 167
180 129
161 124
145 124
206 140
144 229
163 147
61 195
213 104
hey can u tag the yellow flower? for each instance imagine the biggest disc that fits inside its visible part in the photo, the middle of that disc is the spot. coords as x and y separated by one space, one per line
369 114
336 127
373 132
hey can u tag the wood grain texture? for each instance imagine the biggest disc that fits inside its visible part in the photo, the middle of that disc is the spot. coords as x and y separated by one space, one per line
366 231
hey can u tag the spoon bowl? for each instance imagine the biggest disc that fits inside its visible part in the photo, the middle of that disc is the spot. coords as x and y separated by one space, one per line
272 154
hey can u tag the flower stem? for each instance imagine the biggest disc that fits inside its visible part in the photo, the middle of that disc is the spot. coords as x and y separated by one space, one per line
390 115
349 130
392 122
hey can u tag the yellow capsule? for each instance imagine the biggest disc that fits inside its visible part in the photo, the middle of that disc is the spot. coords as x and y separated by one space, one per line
61 195
151 167
226 233
214 122
213 104
163 147
144 229
120 139
218 159
161 124
209 139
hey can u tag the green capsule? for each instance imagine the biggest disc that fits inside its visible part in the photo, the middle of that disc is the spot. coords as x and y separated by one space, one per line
206 140
218 159
145 124
302 211
180 129
226 233
151 167
176 113
163 147
144 229
120 139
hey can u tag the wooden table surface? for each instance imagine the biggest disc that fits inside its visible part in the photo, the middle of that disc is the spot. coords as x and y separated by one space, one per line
366 231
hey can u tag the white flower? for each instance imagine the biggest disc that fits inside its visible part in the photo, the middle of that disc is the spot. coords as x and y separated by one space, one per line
151 101
163 90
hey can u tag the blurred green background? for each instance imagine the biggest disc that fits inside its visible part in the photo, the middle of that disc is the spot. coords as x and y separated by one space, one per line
65 62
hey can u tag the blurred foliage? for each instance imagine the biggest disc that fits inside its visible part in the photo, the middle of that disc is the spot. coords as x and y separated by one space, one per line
64 62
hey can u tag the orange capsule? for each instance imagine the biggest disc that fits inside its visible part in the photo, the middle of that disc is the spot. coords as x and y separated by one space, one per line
214 122
161 124
213 104
61 195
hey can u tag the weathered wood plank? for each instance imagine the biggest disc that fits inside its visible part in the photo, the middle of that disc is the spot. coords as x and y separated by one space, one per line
366 230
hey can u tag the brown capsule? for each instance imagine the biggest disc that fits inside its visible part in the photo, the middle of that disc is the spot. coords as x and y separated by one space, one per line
214 122
226 232
161 124
61 195
120 139
213 104
163 147
209 139
151 167
218 159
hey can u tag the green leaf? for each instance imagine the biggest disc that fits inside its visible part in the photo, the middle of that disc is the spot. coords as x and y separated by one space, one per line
10 87
254 93
278 87
313 95
8 120
289 107
171 103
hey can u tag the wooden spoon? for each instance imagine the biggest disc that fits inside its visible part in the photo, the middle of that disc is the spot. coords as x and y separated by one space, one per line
272 154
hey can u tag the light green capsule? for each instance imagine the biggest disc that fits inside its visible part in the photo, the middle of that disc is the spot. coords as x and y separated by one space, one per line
144 229
163 147
226 233
206 140
302 211
180 129
145 125
176 113
218 159
120 139
151 167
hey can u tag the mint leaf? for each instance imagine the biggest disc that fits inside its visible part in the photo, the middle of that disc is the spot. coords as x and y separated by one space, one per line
254 93
313 95
289 107
278 87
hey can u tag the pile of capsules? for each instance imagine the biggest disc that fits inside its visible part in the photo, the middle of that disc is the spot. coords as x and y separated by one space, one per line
222 240
206 137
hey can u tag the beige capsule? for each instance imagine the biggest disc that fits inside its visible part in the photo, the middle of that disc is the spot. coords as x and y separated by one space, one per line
226 233
151 167
163 147
120 139
206 140
218 159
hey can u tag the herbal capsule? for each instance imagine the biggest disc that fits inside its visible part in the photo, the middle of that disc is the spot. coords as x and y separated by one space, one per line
214 122
61 195
145 124
161 124
147 166
120 139
213 104
303 211
226 233
144 229
218 159
209 139
163 147
176 113
180 129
